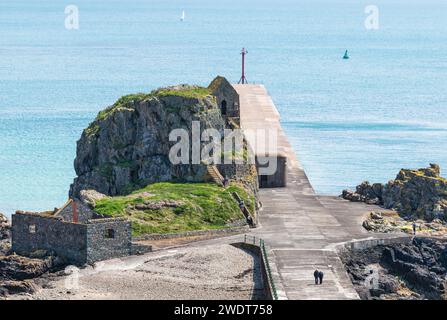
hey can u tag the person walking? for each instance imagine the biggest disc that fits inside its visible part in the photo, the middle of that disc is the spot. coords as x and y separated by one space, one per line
414 228
320 276
316 273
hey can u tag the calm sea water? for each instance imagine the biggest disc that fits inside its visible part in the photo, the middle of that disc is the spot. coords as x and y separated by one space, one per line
349 120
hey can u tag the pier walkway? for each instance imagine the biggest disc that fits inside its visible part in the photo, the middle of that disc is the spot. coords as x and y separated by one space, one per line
301 228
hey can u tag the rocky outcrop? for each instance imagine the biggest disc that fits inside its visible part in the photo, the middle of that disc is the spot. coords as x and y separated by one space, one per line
365 192
14 267
127 146
155 205
10 287
400 271
5 234
414 194
391 222
4 227
18 274
90 197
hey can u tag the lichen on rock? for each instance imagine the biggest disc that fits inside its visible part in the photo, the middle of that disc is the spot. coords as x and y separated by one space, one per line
389 221
5 234
414 194
4 227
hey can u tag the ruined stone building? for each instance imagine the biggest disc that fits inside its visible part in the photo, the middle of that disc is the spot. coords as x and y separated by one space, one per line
227 97
75 233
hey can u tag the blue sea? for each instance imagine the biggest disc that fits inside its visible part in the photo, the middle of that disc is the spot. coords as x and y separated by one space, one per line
349 120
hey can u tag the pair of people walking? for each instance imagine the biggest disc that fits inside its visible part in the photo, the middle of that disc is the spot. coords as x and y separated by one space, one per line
318 275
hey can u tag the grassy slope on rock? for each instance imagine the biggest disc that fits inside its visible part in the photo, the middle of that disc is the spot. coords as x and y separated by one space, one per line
203 206
127 101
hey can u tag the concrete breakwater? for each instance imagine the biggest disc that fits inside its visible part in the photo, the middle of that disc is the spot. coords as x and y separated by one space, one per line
302 228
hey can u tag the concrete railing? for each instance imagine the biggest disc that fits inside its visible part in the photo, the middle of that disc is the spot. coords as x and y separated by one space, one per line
356 245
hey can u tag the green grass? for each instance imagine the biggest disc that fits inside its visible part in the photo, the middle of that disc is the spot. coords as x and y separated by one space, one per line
204 206
128 101
189 92
422 173
123 102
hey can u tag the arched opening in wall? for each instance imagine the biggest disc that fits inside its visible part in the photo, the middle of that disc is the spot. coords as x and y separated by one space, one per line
223 107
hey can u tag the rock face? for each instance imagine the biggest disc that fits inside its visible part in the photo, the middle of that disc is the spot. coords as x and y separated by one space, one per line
4 227
127 146
402 271
156 205
14 267
90 197
18 274
414 194
390 222
365 192
5 234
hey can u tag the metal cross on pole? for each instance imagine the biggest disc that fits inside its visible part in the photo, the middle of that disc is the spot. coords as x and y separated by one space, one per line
243 78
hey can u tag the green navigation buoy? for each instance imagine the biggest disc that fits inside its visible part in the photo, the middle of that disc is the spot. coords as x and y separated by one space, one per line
346 56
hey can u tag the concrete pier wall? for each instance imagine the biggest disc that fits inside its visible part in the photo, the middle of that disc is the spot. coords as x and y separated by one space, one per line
302 229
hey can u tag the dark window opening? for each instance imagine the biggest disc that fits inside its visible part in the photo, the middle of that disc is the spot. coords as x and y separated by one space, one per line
224 107
110 234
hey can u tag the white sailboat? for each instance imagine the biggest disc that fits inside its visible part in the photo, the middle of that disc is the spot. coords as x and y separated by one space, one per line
183 16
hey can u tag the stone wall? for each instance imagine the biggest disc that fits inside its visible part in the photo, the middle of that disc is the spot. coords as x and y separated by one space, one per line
34 232
211 233
84 213
245 174
235 171
108 238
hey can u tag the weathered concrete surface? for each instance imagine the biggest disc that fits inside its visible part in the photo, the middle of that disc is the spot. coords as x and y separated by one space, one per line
301 228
